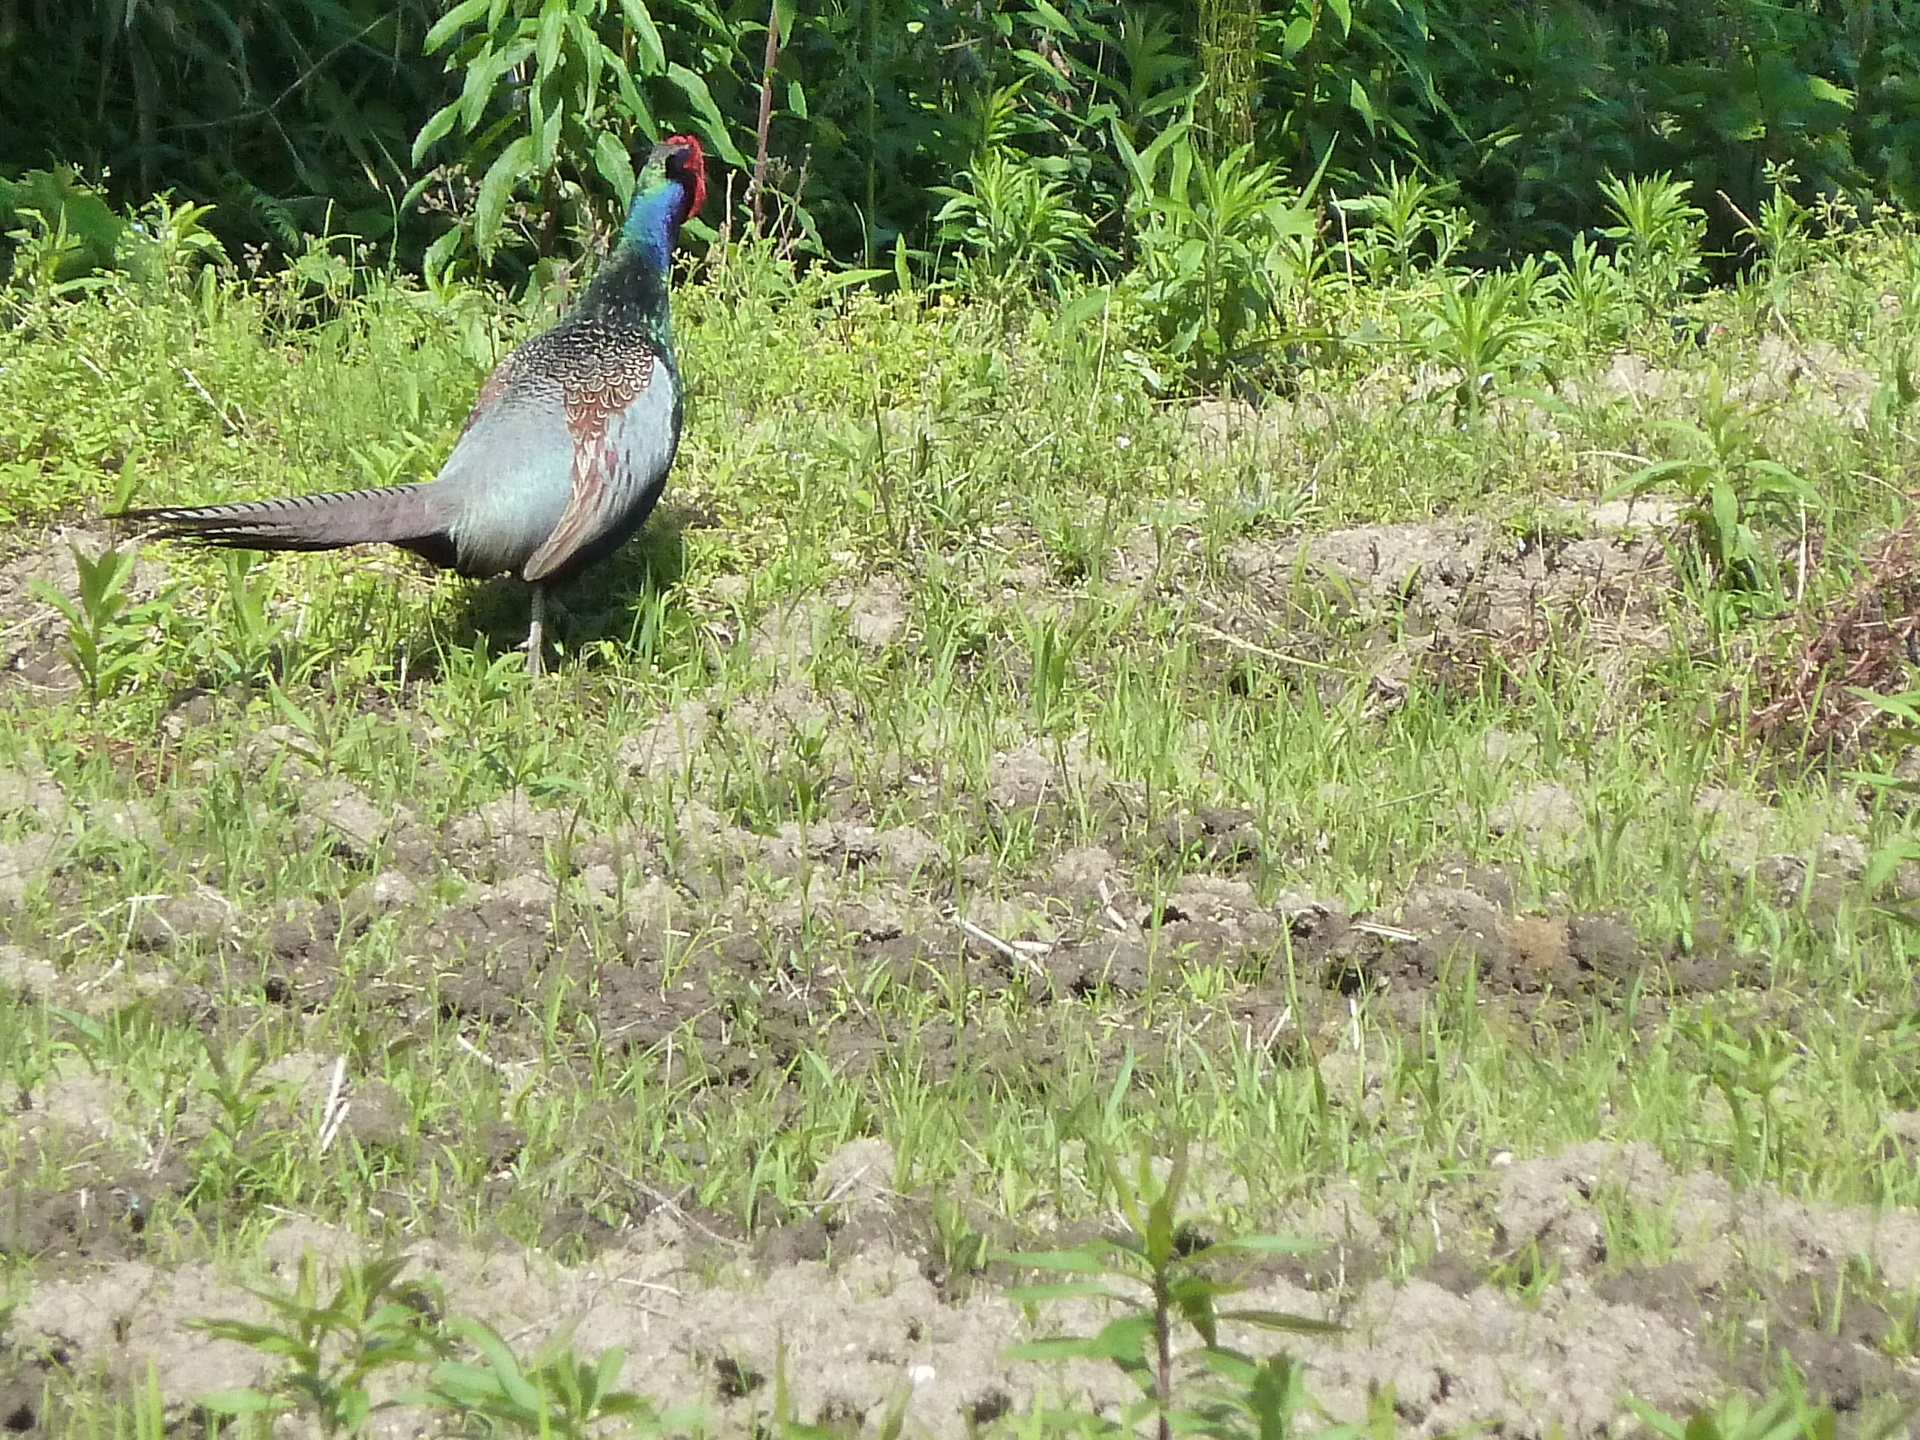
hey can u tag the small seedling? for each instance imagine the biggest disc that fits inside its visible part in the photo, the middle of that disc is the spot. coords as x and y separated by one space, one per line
227 1161
332 1350
1748 1069
150 1408
1785 1417
253 633
556 1394
785 1422
1166 1277
106 632
964 1250
1051 651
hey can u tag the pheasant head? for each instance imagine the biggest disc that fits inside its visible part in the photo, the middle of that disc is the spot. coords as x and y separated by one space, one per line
671 188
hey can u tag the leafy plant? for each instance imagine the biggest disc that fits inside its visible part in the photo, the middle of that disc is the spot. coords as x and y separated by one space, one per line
1220 247
1150 78
964 1250
237 1155
1166 1277
1903 711
73 232
286 114
1784 1417
332 1350
1484 330
577 109
247 644
1656 232
1748 1069
1734 492
1784 232
1018 228
106 630
1595 296
1050 649
1410 225
170 242
1335 67
556 1393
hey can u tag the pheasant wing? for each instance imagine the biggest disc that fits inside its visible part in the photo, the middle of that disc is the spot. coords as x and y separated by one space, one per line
623 415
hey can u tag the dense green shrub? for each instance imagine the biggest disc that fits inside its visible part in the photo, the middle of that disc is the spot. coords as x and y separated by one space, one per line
500 127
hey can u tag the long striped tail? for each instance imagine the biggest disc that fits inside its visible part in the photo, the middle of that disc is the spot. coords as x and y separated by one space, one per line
393 514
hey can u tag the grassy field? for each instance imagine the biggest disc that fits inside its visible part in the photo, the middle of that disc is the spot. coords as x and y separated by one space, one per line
983 772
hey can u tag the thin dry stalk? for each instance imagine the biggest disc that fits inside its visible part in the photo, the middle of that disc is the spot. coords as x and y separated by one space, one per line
1867 638
759 183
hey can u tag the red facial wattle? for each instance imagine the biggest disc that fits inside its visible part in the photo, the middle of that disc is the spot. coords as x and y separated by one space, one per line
695 161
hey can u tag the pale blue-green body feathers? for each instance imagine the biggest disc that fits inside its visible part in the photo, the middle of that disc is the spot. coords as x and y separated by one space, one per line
500 528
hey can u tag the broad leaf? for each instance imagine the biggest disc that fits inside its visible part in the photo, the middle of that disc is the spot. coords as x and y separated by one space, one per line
506 1368
1066 1290
546 51
1259 1244
438 124
1060 1348
513 166
610 159
701 98
846 279
451 24
1648 476
242 1402
653 54
1076 1262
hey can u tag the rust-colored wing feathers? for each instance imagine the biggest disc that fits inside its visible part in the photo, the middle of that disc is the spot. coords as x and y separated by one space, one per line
596 396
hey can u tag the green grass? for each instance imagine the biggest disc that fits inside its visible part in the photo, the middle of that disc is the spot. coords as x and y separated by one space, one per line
1071 556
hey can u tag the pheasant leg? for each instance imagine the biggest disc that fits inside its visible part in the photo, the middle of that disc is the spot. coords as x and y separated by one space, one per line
536 632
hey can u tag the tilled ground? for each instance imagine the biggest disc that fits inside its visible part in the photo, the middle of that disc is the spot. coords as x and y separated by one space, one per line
549 945
864 1315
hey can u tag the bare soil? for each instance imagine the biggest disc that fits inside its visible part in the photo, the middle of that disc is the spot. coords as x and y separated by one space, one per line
867 1319
1522 1320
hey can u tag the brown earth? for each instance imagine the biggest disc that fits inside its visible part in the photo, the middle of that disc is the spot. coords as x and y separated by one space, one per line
865 1320
678 945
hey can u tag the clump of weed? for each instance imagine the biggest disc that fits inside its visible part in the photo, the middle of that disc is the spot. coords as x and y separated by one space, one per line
555 1393
1785 1416
1737 499
1167 1280
378 1325
331 1350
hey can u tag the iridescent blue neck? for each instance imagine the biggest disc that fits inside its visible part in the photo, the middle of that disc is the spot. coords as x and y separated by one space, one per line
652 224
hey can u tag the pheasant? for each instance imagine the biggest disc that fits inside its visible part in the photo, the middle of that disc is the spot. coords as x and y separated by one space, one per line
565 451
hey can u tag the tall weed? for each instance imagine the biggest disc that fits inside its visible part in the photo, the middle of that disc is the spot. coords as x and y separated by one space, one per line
1221 248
